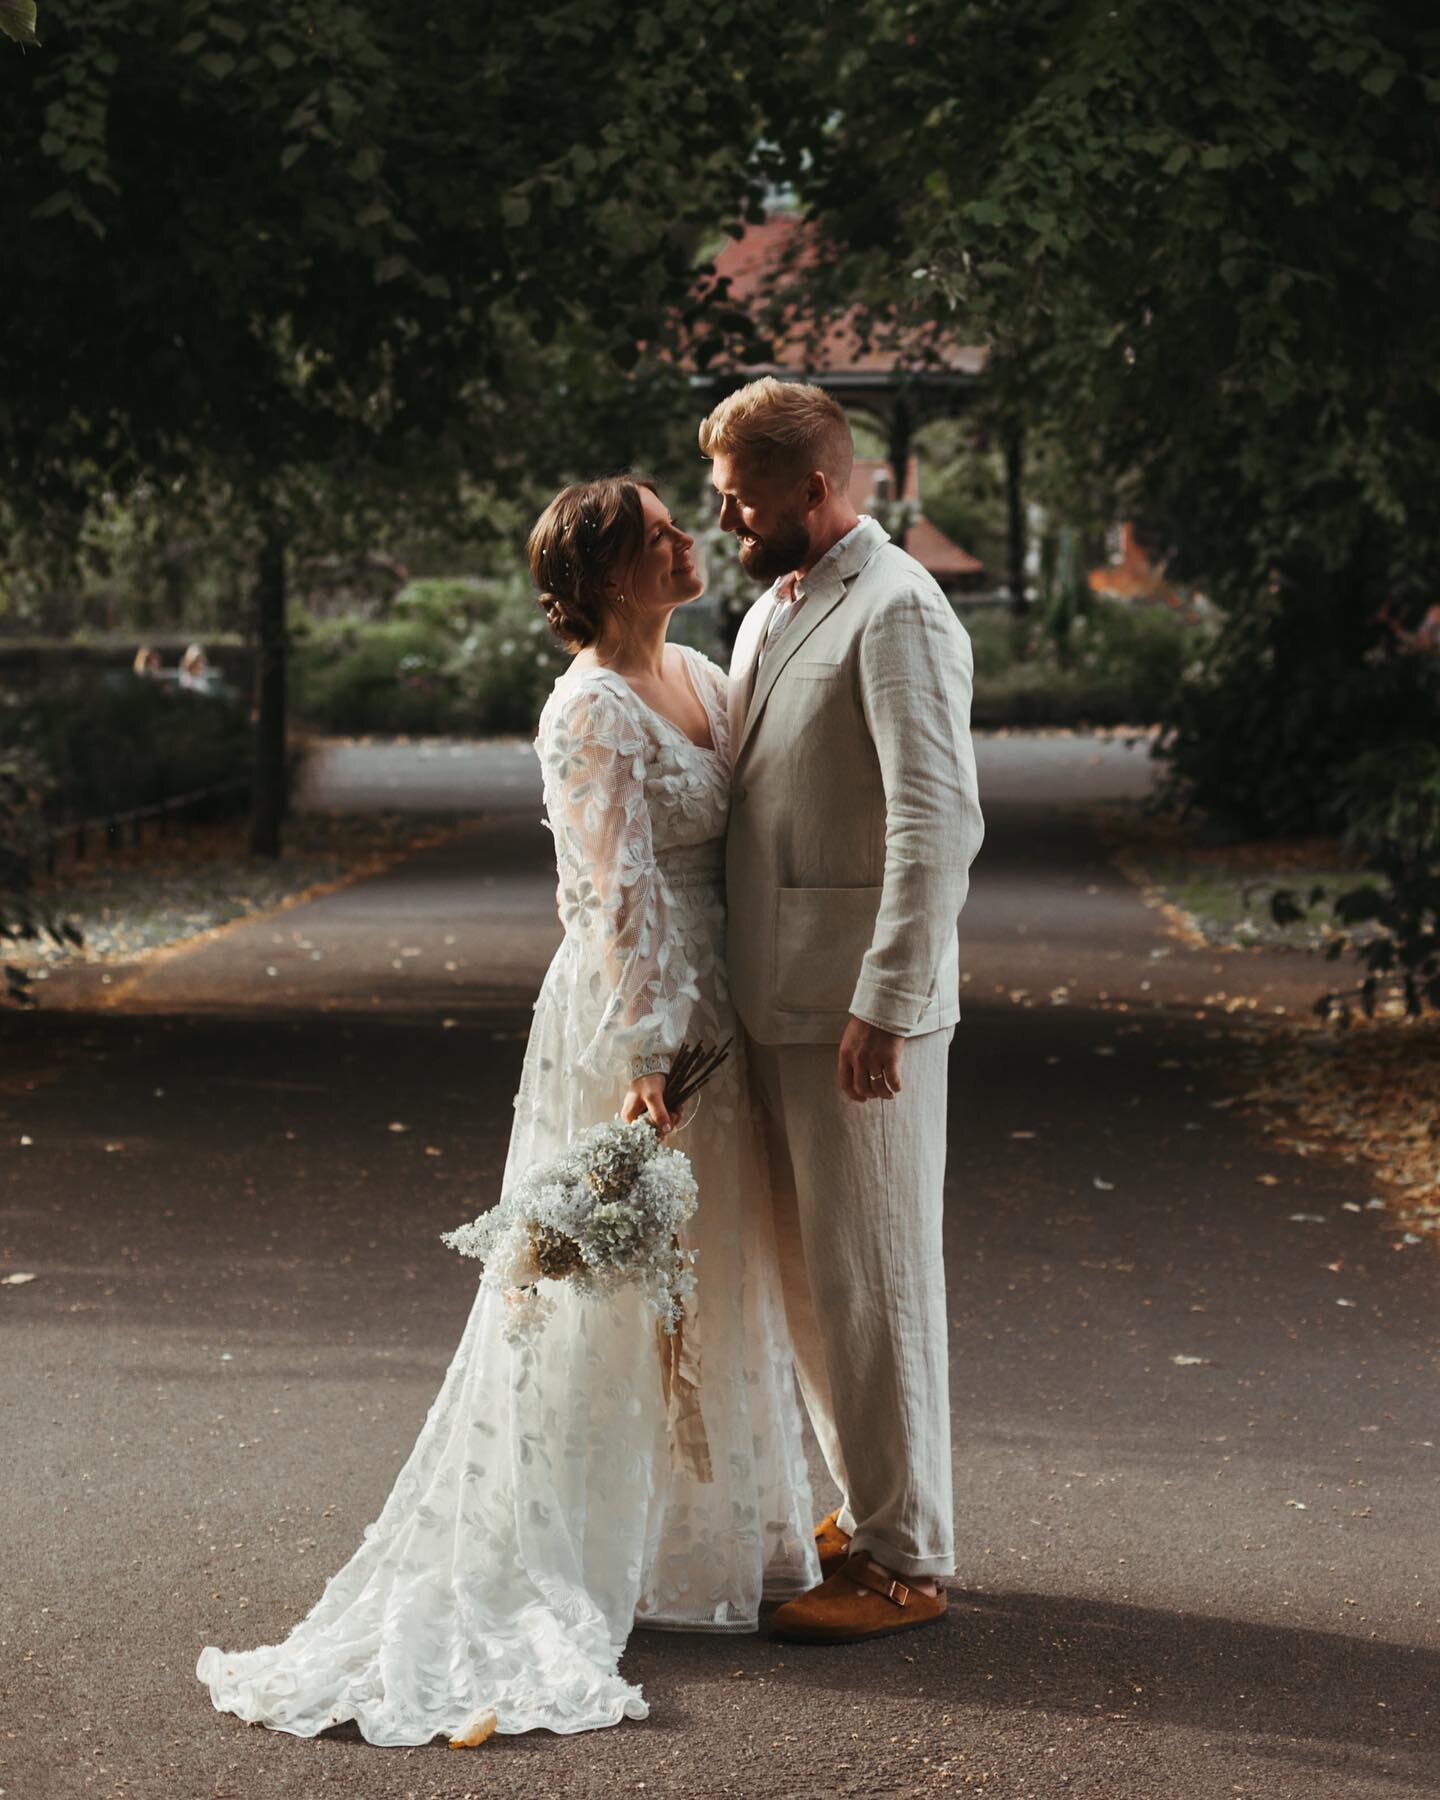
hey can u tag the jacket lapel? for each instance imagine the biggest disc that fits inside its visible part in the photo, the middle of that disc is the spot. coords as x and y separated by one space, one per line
832 583
742 664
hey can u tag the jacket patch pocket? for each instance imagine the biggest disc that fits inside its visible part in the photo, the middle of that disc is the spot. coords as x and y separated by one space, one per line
821 936
814 671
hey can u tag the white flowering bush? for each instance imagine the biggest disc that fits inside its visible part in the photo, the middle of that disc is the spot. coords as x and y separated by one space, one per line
605 1214
453 654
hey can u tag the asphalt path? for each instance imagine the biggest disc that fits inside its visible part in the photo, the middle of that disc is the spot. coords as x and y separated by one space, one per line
1197 1439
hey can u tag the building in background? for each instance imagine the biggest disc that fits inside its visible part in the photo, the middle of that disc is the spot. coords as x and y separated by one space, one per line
1128 573
872 490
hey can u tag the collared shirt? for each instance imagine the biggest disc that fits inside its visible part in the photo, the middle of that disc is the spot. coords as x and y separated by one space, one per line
790 590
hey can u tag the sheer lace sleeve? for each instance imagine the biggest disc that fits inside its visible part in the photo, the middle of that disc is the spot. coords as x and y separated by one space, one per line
713 685
613 898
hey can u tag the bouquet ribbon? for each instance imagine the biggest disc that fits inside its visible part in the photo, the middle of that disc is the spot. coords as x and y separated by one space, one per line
680 1385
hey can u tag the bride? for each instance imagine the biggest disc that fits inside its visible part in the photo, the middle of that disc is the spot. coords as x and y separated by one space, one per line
559 1492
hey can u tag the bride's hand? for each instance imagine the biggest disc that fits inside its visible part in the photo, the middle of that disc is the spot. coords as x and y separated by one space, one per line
645 1099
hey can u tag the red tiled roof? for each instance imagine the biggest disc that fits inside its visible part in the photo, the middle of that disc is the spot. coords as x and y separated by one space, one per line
1134 576
869 471
939 554
757 264
927 543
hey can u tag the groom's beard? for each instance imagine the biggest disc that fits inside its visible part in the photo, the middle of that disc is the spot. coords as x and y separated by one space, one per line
783 549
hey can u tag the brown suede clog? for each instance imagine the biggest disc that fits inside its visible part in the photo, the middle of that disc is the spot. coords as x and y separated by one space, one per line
858 1601
832 1544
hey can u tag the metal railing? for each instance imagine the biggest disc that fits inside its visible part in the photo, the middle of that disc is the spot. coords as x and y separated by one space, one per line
110 829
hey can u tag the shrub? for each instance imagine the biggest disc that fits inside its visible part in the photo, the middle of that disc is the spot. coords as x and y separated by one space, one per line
1109 664
455 655
1260 739
1390 799
115 743
507 662
387 675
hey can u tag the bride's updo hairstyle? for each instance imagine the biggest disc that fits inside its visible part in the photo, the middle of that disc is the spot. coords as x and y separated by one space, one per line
588 536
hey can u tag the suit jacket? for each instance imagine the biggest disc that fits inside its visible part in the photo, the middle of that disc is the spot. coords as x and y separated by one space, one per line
854 810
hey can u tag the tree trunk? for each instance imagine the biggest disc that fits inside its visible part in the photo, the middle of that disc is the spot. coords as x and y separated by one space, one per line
268 804
1015 506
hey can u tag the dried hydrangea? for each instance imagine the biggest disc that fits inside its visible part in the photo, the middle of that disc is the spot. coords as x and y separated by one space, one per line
606 1213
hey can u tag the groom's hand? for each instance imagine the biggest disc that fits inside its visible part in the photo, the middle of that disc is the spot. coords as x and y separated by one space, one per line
869 1062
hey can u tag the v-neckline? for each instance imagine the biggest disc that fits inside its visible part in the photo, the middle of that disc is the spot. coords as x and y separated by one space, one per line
710 749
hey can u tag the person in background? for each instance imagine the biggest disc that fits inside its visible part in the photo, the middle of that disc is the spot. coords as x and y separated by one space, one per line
195 671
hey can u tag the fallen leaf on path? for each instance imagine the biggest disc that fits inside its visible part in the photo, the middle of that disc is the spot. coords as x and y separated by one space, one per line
1192 1362
16 1280
1105 1187
1024 1134
1307 1218
475 1732
1299 1505
1347 1303
1268 1180
1368 1096
395 1125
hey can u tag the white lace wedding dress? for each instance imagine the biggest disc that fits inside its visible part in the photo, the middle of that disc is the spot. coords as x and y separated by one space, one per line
547 1506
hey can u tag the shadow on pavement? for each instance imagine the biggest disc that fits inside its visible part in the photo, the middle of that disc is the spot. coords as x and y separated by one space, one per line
1298 1695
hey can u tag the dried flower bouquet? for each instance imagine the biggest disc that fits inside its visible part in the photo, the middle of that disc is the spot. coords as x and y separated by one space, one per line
605 1214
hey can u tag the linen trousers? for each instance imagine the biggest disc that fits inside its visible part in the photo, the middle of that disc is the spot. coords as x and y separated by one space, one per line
858 1197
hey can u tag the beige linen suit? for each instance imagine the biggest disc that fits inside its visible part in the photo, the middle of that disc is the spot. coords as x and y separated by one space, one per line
854 820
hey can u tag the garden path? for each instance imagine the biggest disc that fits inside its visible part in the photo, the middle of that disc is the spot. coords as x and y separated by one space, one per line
1196 1436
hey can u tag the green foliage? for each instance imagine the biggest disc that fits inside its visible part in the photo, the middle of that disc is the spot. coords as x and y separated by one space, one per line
456 655
963 491
1389 799
1118 665
361 675
390 230
1260 738
391 268
110 745
1201 242
1182 228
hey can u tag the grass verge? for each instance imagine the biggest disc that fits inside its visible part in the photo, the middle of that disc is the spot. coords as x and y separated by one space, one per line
164 891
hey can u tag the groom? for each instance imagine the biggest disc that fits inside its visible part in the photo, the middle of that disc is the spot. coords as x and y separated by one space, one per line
854 820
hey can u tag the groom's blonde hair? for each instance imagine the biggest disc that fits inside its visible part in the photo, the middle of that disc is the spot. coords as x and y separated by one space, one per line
787 427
